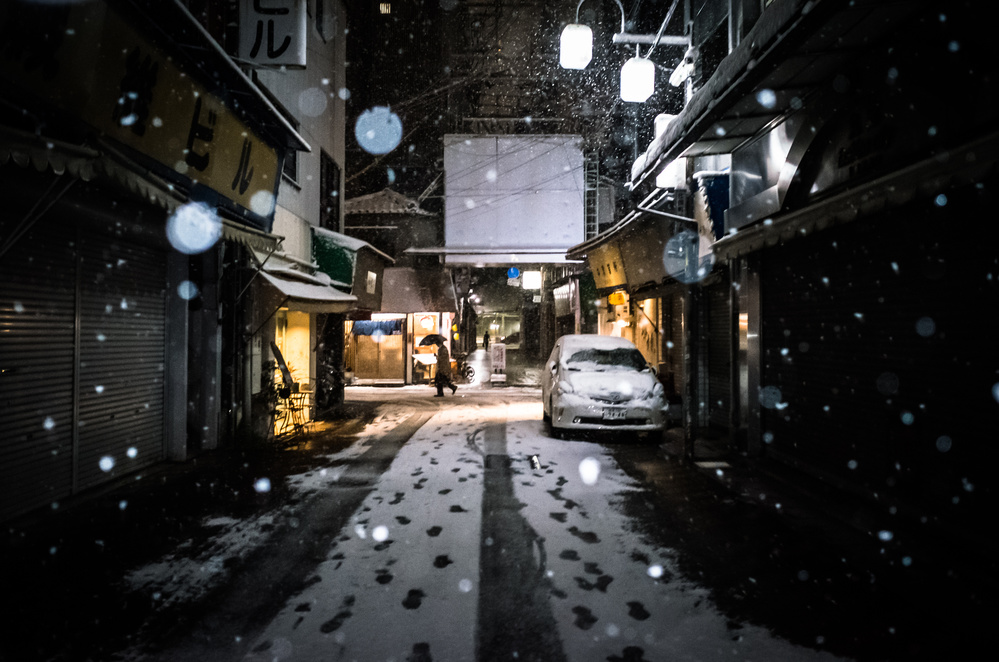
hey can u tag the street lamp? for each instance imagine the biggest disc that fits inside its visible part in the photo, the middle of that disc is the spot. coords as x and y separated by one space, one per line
638 79
638 75
576 44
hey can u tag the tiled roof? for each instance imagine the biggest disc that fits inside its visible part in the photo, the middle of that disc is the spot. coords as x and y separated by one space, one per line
385 201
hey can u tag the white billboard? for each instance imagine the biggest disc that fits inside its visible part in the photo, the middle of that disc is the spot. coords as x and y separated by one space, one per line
512 198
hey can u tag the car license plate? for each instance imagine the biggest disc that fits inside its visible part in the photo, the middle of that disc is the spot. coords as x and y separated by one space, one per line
614 414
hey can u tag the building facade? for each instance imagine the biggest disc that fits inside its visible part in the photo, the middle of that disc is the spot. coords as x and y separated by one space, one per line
833 280
137 160
172 175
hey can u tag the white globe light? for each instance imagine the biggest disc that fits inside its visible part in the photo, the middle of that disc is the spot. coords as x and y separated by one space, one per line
575 46
638 79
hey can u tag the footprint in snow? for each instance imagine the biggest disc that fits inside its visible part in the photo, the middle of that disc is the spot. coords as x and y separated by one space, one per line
414 599
421 653
558 517
585 536
601 584
631 654
584 618
569 555
399 496
442 561
434 531
383 576
402 520
637 611
334 623
458 509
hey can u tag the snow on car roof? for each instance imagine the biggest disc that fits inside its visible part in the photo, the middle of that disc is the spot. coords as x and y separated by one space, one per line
595 341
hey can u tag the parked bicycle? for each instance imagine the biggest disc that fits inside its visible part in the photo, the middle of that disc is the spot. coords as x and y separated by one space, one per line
465 369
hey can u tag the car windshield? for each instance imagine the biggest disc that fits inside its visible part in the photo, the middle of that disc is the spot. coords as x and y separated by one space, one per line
601 360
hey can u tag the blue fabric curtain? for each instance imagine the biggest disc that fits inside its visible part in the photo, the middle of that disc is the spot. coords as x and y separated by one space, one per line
377 327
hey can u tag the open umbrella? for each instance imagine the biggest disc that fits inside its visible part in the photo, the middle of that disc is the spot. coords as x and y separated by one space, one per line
433 339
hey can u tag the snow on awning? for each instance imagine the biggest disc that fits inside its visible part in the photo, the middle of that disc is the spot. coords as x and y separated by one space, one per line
309 297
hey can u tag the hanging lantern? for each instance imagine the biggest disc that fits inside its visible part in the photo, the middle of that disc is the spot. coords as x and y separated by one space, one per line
638 79
575 46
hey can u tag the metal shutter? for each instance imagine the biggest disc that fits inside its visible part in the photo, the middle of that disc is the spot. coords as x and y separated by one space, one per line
880 337
719 358
37 304
122 344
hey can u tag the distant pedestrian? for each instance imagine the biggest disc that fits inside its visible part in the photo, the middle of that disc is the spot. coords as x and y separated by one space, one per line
443 376
485 339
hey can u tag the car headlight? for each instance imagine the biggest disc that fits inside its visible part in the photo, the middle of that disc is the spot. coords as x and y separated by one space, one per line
657 390
565 386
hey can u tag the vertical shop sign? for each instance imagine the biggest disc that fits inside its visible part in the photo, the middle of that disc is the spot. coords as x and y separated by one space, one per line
273 32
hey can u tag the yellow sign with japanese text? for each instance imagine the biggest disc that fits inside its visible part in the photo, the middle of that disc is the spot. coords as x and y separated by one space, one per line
607 265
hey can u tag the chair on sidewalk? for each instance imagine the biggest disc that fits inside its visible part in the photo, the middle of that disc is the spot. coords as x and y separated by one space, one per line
291 414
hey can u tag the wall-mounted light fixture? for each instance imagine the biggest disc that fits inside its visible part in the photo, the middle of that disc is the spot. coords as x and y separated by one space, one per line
638 75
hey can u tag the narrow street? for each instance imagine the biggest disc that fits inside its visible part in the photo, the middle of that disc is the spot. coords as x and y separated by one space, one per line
457 529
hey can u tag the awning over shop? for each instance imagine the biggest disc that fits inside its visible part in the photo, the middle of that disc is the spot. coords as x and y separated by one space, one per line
308 297
795 47
417 291
257 240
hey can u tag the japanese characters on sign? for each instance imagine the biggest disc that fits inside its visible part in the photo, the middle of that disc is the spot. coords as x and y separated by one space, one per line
111 77
273 32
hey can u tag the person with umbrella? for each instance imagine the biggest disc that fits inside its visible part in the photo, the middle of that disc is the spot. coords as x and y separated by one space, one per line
443 376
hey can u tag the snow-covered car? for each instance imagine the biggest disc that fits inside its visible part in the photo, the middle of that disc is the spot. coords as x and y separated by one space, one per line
594 382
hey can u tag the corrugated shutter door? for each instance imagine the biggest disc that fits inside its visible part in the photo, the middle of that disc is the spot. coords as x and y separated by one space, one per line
122 341
37 295
674 352
879 339
719 355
